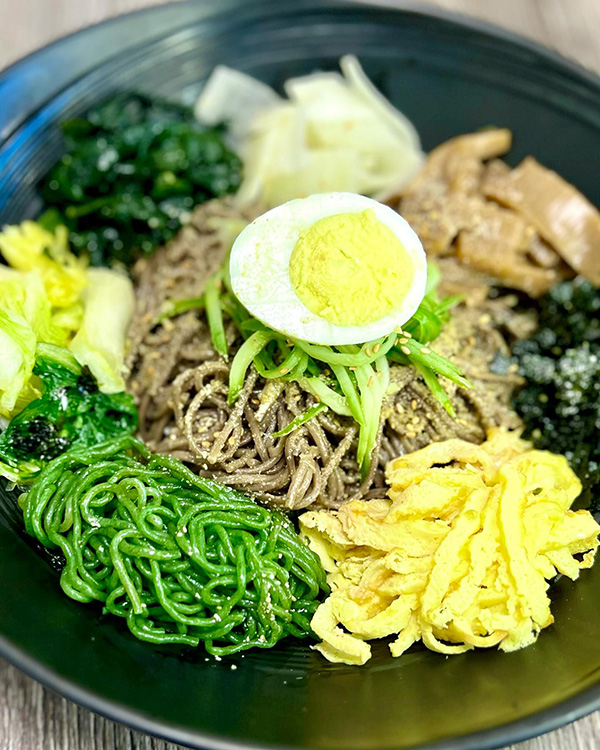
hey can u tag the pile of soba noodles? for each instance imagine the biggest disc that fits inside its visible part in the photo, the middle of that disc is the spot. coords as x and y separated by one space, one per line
181 384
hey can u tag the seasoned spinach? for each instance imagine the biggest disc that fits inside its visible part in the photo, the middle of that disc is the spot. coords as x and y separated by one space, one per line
133 170
71 411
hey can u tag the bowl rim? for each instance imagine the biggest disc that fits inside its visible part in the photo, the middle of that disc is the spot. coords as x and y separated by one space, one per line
174 20
558 715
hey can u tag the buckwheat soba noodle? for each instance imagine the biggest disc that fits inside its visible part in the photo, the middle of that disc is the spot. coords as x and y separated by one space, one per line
182 386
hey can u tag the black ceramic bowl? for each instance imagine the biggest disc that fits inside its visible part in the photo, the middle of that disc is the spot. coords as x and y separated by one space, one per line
449 77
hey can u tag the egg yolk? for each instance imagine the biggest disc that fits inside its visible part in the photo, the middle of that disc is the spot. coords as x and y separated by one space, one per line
350 269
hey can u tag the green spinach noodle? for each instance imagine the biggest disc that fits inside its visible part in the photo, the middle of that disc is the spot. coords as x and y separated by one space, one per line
180 557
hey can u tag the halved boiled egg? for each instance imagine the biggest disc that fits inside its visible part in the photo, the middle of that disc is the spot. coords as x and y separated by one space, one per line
333 268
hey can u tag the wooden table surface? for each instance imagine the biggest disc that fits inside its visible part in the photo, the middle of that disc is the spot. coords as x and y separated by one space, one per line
32 718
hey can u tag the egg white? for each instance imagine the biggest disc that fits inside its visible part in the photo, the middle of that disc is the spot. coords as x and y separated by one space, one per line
260 278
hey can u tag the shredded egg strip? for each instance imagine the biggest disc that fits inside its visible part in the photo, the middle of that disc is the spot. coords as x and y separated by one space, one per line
458 556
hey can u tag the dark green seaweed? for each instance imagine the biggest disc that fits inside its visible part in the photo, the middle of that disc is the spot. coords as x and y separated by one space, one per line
561 402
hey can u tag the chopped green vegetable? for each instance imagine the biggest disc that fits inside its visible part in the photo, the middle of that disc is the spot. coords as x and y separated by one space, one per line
561 402
214 315
173 308
300 420
71 412
133 171
427 322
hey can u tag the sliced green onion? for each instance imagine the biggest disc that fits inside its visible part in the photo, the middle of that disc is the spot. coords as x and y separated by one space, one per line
251 348
371 400
382 366
327 395
435 362
434 276
300 420
366 354
350 392
313 368
449 302
265 359
250 325
424 325
294 364
226 275
173 308
436 388
214 314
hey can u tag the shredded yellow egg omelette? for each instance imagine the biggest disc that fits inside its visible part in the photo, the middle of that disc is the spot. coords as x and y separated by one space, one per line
458 556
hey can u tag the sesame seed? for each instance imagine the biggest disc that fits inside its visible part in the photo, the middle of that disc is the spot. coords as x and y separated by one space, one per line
407 334
376 348
425 350
399 408
410 434
378 373
403 340
405 350
415 420
370 382
368 352
414 404
284 371
352 368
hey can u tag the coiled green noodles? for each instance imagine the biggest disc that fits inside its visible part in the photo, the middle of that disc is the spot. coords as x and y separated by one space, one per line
181 558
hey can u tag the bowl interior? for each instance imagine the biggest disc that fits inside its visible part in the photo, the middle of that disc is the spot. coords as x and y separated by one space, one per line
448 78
